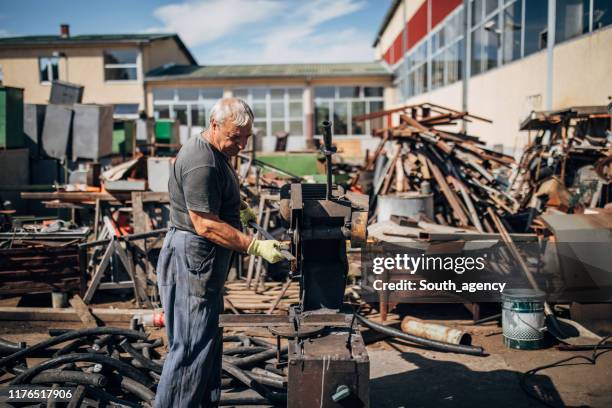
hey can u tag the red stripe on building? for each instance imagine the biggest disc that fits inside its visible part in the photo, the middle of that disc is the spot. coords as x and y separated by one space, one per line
442 8
397 48
417 26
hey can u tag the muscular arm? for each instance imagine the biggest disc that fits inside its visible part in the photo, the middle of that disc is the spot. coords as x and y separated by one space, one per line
211 227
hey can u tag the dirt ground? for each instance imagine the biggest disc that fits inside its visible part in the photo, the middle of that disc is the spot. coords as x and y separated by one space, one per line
403 375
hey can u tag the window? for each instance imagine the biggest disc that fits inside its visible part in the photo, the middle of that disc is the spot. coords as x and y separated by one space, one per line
48 68
340 104
572 19
163 94
454 62
120 65
190 106
602 13
275 109
512 16
126 110
536 25
437 71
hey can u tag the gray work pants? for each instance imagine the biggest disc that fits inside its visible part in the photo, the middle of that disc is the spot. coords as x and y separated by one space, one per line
191 295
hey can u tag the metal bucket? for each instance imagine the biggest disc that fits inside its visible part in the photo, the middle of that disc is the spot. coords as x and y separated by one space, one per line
408 204
523 318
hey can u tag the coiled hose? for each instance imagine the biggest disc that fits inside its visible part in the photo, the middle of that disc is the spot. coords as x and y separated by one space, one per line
121 367
71 335
434 344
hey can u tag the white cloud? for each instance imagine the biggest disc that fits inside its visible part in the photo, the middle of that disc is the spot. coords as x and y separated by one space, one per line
201 22
278 32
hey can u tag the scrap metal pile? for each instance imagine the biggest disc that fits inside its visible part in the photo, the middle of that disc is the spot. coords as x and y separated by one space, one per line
121 367
464 175
568 164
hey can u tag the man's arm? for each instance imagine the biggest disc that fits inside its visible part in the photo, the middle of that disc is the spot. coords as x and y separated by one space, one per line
211 227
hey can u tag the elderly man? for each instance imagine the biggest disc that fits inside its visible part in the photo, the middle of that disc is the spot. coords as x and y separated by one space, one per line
205 217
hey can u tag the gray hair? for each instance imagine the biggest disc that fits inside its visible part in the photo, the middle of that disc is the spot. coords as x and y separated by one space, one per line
232 108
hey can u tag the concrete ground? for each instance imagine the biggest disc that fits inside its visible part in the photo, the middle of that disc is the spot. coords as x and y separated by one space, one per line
403 375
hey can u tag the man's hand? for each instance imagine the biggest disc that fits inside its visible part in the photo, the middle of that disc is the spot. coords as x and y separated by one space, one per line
267 249
246 214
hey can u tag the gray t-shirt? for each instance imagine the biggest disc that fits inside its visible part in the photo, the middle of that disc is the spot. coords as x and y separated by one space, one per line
202 179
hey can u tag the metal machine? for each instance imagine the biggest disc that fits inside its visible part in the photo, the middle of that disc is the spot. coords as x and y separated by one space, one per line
328 364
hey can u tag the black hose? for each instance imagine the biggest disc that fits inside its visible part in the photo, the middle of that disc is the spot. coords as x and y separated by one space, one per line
95 331
438 345
242 398
244 378
69 376
7 344
101 395
143 345
255 358
145 362
269 381
120 366
133 387
244 350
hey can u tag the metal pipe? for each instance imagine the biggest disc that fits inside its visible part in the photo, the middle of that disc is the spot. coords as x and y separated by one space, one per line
436 332
453 348
327 142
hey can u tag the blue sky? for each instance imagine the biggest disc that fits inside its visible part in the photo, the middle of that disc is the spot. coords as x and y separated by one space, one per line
218 31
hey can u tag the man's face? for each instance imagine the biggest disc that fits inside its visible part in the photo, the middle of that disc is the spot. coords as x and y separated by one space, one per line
230 138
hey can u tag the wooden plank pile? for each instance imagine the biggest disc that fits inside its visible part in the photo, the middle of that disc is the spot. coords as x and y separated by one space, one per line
460 169
270 297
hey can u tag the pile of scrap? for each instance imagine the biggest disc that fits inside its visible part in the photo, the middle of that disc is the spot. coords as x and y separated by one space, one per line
567 166
41 259
463 177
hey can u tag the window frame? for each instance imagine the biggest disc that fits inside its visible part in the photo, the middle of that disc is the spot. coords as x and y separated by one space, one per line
330 102
49 69
135 65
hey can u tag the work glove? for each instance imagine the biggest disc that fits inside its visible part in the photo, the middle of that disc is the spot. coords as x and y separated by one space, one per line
246 214
268 249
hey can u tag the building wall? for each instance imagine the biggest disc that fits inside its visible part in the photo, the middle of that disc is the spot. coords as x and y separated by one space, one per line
349 143
582 70
84 65
508 94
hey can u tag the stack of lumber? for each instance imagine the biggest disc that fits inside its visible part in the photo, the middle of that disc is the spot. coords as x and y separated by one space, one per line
243 299
461 171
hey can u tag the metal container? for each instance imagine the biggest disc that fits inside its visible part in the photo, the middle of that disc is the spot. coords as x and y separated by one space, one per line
11 117
14 172
145 130
33 121
92 131
408 204
167 131
124 133
523 318
65 93
57 130
158 172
